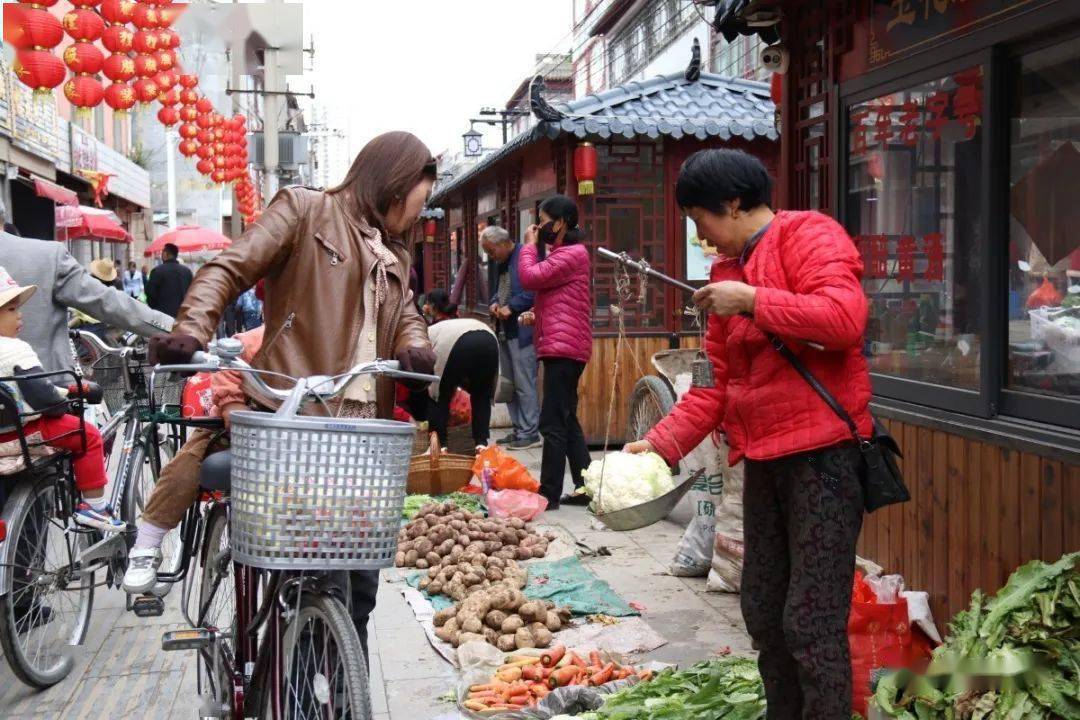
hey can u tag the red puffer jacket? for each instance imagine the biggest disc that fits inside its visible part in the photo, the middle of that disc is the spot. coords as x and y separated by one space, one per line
563 301
807 273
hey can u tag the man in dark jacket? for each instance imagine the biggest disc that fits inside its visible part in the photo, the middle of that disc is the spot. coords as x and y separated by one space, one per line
508 301
168 283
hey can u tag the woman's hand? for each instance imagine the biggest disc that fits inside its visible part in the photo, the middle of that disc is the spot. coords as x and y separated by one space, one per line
727 297
531 234
504 313
527 318
228 410
639 448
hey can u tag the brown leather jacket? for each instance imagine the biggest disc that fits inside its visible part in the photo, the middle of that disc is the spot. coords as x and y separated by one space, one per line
309 247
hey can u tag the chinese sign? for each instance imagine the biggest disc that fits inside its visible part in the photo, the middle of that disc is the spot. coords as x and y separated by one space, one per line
904 258
888 119
902 26
84 156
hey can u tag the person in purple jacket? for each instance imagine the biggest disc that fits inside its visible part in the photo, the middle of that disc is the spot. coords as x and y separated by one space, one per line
563 319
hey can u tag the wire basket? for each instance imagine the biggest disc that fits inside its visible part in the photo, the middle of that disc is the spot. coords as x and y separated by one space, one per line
317 493
108 372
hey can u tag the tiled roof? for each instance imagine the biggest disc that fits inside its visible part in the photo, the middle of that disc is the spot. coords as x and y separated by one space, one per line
712 106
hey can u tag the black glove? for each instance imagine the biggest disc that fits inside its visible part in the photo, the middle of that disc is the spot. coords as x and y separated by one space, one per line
173 349
417 360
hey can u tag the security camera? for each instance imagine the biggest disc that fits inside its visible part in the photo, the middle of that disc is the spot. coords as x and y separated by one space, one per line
774 58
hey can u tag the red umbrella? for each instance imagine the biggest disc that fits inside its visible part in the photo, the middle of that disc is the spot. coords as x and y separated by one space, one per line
80 222
189 239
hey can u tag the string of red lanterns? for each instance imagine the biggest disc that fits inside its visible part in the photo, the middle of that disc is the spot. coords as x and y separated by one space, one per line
35 33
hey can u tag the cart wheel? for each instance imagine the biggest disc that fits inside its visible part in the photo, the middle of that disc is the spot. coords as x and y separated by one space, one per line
650 401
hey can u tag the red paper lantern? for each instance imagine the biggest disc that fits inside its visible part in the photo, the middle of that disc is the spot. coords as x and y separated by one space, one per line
187 148
206 137
165 81
32 28
188 96
42 3
120 97
585 168
118 39
218 176
430 228
188 132
39 70
145 17
118 68
166 60
145 66
168 39
117 11
205 167
219 161
219 148
204 106
168 116
166 17
146 41
203 121
146 90
84 91
85 25
776 88
84 58
189 81
188 113
206 152
84 3
170 98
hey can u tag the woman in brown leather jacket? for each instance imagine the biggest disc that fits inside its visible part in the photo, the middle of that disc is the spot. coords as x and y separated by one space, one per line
337 292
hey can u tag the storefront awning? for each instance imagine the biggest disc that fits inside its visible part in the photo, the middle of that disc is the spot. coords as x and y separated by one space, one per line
54 192
81 222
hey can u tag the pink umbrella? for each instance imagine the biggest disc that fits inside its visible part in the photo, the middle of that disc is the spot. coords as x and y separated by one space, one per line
189 239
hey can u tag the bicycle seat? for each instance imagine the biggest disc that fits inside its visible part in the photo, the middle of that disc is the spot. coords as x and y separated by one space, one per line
215 472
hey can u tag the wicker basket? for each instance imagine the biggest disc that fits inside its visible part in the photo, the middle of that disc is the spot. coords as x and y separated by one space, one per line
439 473
459 440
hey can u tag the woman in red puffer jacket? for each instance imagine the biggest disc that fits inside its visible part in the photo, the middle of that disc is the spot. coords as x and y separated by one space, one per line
795 275
563 318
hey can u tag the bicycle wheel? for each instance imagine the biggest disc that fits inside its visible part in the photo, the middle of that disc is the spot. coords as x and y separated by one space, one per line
217 609
144 478
46 601
323 672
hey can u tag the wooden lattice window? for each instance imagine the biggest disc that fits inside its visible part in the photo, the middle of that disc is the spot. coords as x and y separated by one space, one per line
627 214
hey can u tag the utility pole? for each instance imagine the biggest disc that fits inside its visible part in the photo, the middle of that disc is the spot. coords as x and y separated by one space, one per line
271 99
236 66
170 174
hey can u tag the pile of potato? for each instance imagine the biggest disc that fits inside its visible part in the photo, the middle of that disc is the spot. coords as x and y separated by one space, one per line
471 572
442 534
501 615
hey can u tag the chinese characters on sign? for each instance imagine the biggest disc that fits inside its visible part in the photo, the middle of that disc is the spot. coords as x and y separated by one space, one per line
875 252
884 120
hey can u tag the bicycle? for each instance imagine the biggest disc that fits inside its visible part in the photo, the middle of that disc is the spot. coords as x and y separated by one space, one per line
46 580
136 417
293 503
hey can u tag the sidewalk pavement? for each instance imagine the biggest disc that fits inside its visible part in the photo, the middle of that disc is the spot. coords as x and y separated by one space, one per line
121 671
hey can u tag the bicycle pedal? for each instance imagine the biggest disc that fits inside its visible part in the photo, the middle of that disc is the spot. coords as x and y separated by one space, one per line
148 606
193 639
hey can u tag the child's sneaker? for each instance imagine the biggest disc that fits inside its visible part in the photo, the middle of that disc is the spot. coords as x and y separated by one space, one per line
102 520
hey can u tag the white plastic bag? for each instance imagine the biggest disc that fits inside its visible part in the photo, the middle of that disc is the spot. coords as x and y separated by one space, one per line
727 559
693 557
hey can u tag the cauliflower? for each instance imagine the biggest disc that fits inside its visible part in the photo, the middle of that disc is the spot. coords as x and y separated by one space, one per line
628 480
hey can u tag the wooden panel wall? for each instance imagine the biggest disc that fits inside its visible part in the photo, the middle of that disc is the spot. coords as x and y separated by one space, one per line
977 512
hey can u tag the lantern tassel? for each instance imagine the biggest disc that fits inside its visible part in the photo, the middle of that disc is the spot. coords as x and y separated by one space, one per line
586 187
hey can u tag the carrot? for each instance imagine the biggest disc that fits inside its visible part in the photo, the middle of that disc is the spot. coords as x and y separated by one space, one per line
481 688
645 675
594 659
603 676
475 705
545 673
531 672
576 660
552 657
623 673
524 662
509 673
562 676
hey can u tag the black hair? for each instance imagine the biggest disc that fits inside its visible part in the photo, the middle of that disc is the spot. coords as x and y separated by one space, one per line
170 250
440 300
560 207
710 179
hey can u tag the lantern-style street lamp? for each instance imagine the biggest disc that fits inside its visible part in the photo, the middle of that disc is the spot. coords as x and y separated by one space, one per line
474 146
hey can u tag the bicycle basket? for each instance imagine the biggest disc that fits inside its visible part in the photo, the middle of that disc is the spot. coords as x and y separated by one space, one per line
317 493
108 372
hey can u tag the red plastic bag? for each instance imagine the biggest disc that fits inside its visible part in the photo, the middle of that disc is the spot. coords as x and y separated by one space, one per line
515 503
460 409
880 637
197 399
507 473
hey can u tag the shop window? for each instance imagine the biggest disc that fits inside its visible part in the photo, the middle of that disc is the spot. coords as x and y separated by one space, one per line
914 207
1044 248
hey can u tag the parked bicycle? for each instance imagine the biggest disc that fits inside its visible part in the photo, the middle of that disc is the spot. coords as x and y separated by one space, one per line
296 502
46 574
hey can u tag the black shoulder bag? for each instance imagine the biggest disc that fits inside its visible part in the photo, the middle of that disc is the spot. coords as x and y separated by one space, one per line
883 484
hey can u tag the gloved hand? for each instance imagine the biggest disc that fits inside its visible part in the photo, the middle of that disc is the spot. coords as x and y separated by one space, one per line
172 349
417 360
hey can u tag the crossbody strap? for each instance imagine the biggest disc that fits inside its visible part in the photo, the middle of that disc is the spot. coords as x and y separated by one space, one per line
812 381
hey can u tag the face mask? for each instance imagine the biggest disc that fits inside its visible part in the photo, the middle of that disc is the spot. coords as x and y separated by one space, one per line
547 233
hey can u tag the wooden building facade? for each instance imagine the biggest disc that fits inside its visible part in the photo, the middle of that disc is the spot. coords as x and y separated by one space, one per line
946 137
642 132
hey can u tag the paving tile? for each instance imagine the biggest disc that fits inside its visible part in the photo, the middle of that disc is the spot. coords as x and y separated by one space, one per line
377 687
417 698
147 695
132 650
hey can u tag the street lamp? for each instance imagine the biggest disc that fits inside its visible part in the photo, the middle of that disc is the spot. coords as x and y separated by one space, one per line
474 146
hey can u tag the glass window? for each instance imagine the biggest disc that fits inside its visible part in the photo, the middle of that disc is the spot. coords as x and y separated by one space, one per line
1044 247
914 207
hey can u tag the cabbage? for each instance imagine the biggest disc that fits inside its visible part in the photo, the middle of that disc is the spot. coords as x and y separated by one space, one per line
628 480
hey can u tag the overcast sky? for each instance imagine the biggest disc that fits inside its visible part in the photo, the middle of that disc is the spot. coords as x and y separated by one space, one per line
427 66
